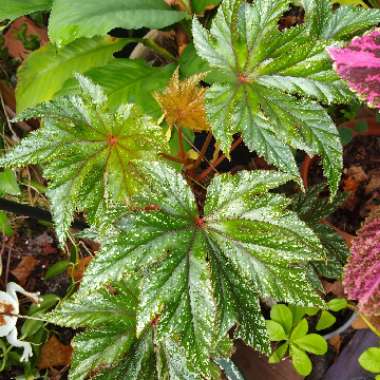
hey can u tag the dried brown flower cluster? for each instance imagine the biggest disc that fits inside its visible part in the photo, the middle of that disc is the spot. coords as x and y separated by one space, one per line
184 103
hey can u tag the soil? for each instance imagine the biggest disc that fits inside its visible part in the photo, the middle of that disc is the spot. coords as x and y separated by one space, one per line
361 181
26 256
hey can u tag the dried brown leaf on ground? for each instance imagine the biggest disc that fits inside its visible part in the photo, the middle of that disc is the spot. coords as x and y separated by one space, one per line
54 354
180 4
359 323
336 342
24 269
29 30
78 270
374 182
335 288
354 176
46 244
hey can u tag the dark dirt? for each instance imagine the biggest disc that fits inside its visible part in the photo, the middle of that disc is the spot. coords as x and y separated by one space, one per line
361 180
38 241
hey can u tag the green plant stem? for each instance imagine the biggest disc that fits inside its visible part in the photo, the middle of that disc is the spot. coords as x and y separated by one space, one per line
182 152
202 152
215 163
153 46
24 317
370 325
158 49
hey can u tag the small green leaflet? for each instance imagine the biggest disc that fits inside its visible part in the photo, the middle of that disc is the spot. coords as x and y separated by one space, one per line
201 275
8 183
90 156
70 20
293 335
370 359
11 9
272 82
343 24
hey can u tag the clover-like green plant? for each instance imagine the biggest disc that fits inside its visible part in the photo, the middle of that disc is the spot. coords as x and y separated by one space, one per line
286 326
90 156
370 361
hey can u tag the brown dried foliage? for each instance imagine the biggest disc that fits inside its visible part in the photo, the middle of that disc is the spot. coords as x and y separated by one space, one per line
184 104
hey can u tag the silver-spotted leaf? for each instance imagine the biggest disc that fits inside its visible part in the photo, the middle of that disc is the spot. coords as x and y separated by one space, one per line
344 23
312 207
203 274
109 347
273 83
90 156
98 348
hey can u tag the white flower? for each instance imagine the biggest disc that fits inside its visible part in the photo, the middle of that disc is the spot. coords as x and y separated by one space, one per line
9 305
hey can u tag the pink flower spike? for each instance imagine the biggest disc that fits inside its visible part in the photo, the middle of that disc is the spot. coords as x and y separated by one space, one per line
361 279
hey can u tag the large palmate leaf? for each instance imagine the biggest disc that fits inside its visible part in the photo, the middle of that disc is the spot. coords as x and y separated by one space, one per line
313 208
272 80
109 317
45 71
344 23
128 81
89 155
358 63
109 348
201 274
69 21
11 9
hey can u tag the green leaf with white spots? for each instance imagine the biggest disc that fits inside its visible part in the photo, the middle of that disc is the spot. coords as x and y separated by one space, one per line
109 346
109 317
90 156
100 347
139 364
344 23
273 84
313 207
203 274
